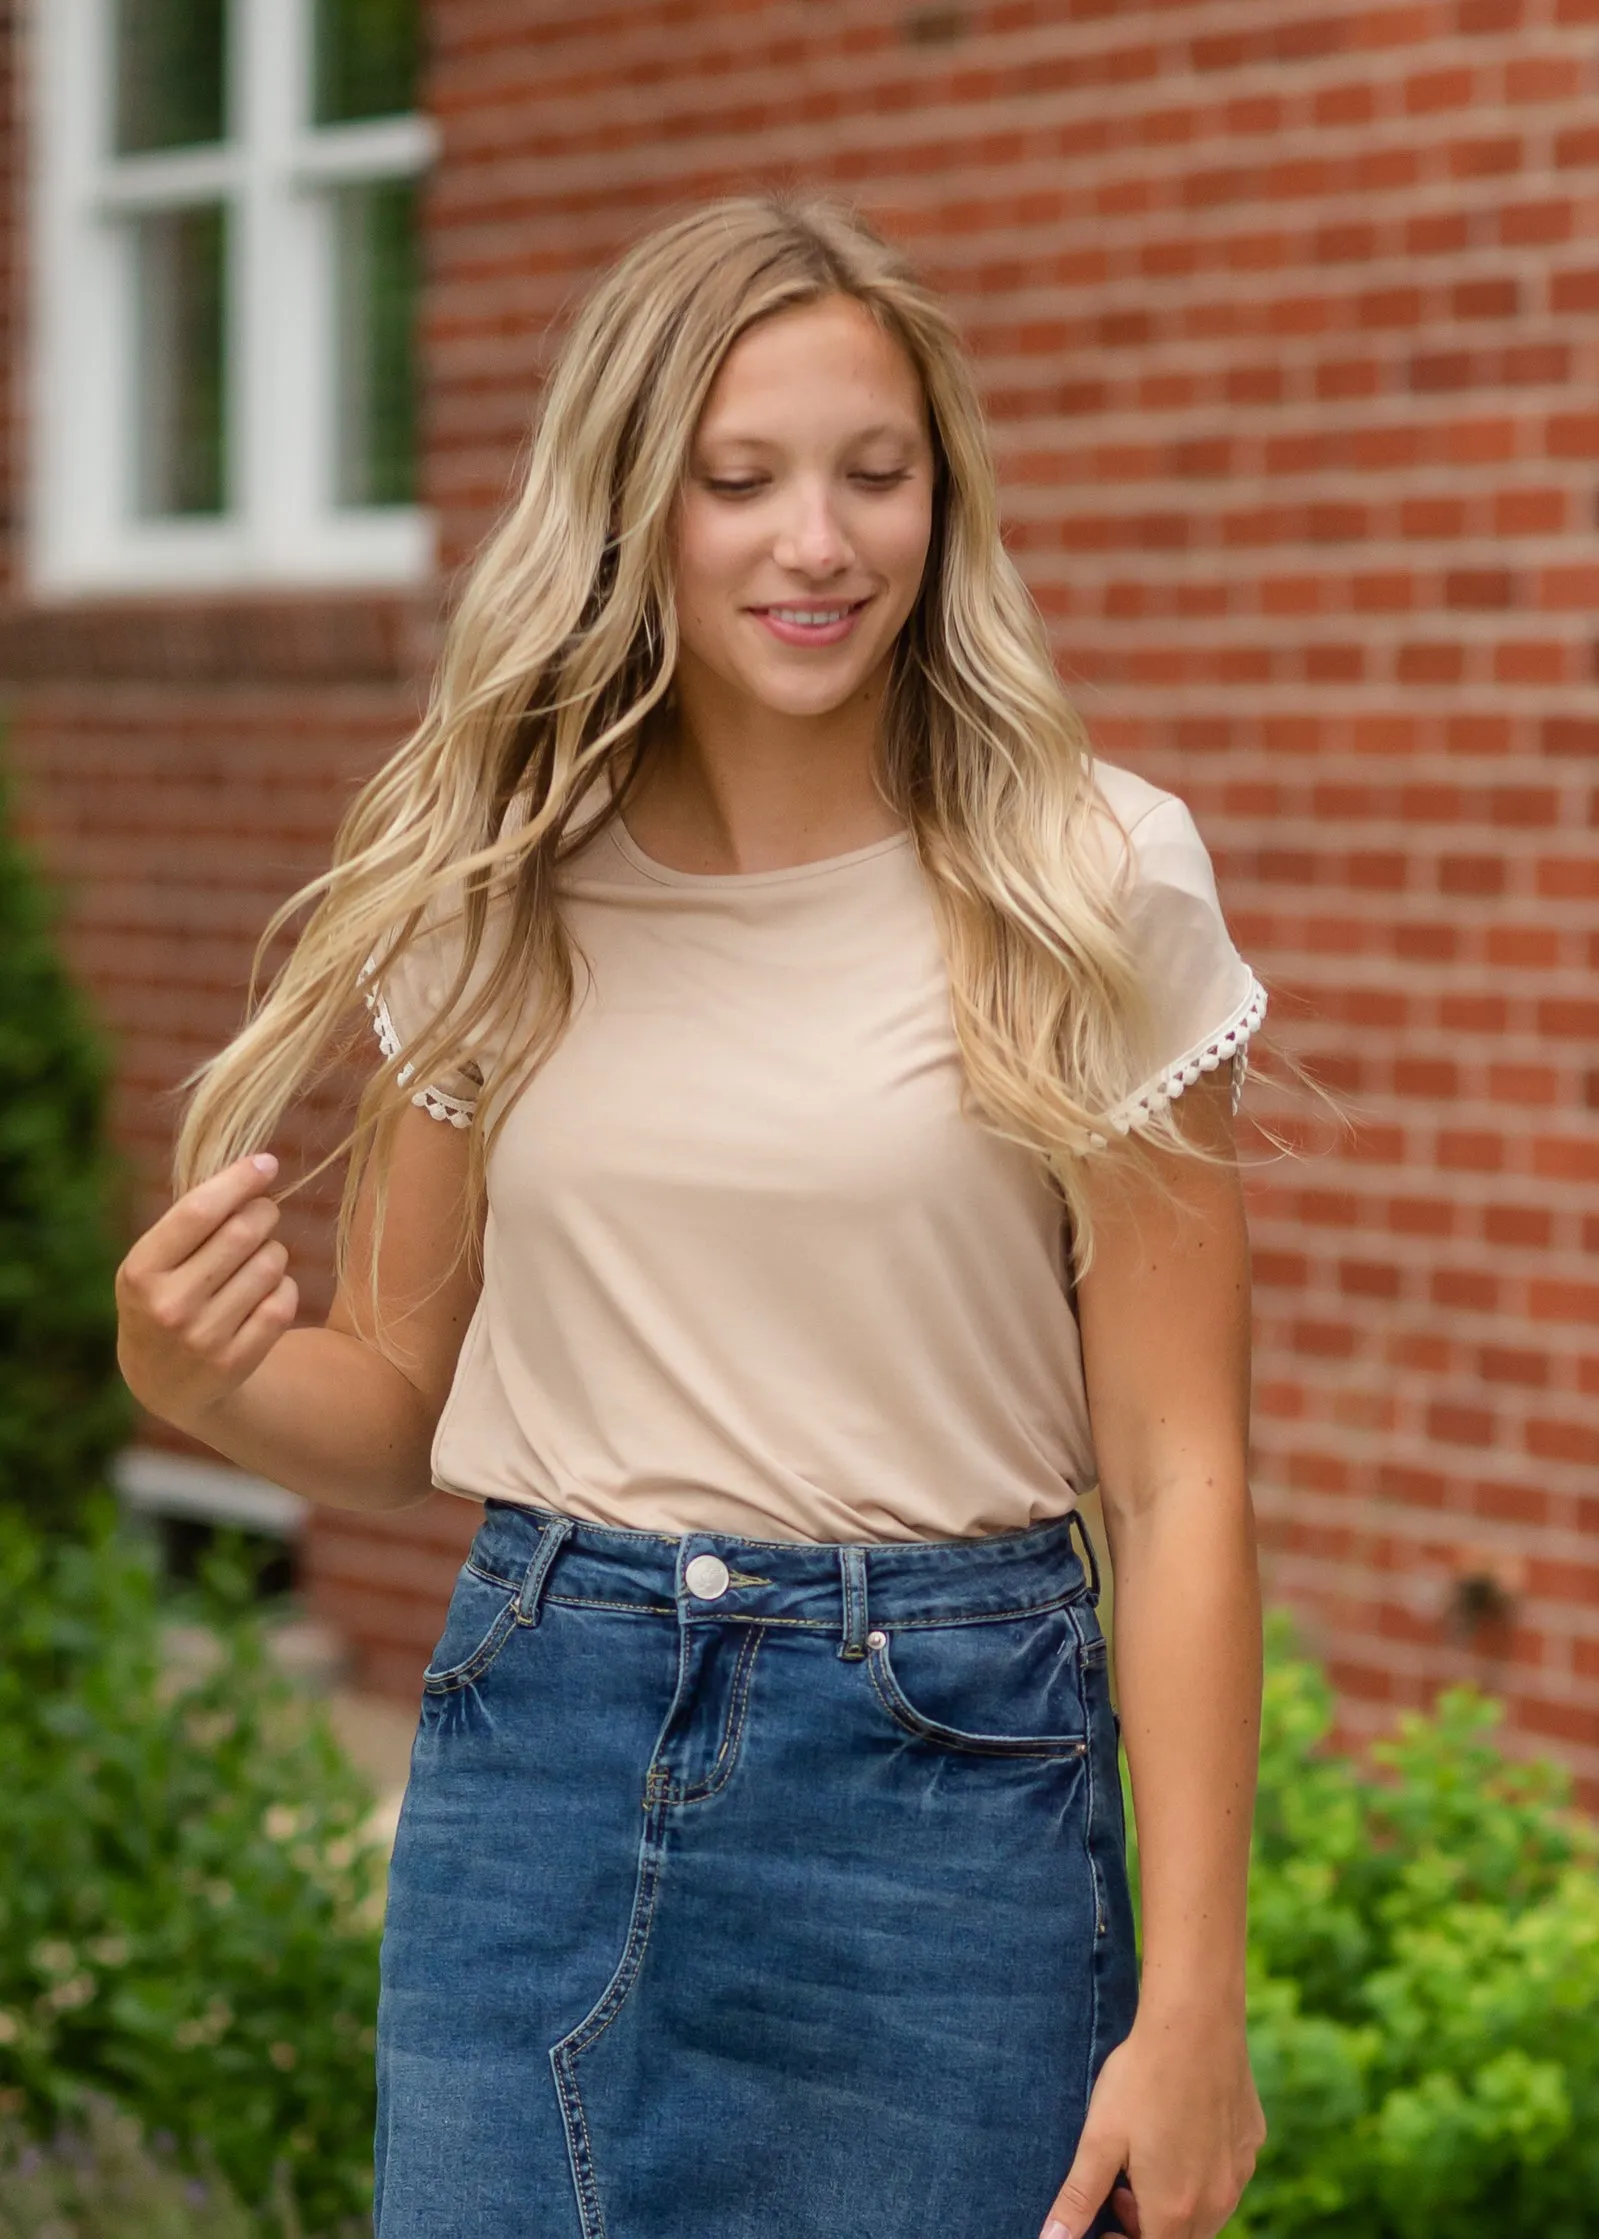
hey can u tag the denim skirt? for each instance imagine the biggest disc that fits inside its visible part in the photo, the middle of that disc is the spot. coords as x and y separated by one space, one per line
752 1889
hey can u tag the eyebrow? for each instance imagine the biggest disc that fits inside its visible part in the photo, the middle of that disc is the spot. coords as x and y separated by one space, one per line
898 428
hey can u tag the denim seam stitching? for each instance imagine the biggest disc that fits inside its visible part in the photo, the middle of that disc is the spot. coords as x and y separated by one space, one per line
854 1582
569 1601
565 2050
599 1601
984 1616
813 1624
536 1576
727 1755
900 1624
485 1655
1090 1850
491 1577
1066 1748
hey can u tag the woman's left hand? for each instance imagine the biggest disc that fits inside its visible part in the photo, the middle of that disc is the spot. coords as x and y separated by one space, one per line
1175 2107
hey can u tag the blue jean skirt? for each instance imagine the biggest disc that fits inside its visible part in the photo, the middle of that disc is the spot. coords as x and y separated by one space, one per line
752 1889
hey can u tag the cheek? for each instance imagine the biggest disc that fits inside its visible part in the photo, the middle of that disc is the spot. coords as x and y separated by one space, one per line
711 557
899 545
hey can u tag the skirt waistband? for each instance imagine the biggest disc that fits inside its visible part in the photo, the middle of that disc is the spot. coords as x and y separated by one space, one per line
710 1576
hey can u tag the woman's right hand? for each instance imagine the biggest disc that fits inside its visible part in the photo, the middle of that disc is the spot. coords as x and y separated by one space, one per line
204 1295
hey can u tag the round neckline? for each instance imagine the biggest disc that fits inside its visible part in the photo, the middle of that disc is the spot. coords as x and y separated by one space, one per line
665 875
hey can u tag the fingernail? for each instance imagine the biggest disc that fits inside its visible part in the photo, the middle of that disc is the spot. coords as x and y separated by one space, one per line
1055 2229
265 1161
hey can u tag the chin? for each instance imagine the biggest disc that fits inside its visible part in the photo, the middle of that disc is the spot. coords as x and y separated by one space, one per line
797 696
801 704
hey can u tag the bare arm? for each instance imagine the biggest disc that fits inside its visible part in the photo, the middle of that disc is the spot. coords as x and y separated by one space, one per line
206 1308
1166 1316
1166 1328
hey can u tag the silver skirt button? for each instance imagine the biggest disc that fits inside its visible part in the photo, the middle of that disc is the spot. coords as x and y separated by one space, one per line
877 1640
707 1577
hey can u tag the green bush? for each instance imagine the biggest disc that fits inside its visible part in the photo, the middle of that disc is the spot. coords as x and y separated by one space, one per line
63 1407
103 2180
1424 1981
187 1898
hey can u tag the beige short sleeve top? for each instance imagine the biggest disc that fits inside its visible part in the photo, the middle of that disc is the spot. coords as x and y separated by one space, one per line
748 1267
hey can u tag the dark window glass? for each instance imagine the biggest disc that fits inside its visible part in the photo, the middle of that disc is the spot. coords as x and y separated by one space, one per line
366 59
375 462
180 264
171 74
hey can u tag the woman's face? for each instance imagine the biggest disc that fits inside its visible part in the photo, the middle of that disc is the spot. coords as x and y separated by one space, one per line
801 533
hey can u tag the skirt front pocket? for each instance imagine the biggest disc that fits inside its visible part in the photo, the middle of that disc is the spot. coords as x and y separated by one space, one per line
997 1687
480 1620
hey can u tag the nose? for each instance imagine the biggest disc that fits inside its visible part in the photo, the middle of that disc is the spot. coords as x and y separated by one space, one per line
812 540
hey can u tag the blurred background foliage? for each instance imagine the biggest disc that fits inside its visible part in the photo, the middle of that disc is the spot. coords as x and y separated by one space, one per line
1423 1979
102 2178
64 1410
188 1891
189 1896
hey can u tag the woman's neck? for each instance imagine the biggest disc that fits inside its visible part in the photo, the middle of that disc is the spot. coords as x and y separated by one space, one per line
713 799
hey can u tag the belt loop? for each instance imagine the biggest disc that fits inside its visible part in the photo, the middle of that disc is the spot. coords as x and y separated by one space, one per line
1074 1517
551 1534
852 1565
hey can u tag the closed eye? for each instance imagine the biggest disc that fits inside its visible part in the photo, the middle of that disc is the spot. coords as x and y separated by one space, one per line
723 489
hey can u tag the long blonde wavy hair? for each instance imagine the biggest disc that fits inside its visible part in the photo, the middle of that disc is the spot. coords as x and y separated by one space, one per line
564 639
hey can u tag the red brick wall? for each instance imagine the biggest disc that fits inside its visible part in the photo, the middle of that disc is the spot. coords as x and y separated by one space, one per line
183 769
1288 324
1288 321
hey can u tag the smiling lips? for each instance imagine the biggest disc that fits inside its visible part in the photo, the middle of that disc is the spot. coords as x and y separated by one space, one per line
810 625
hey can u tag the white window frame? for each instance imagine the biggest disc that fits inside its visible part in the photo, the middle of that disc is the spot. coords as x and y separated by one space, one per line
282 526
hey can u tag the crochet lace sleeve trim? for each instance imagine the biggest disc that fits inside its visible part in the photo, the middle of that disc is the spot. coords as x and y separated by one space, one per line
457 1110
1229 1045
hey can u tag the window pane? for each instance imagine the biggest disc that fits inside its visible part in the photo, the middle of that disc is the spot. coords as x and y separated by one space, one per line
171 73
377 293
180 265
366 58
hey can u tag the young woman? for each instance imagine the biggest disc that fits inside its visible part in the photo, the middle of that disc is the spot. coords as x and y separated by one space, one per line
802 1165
